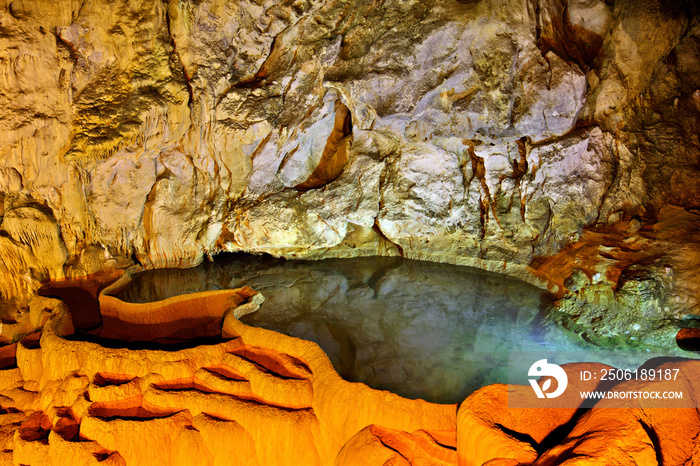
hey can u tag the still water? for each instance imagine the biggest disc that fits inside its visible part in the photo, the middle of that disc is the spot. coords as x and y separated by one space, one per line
418 329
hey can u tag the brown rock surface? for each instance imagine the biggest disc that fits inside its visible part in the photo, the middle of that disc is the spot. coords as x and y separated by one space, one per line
379 445
637 431
257 389
493 425
81 296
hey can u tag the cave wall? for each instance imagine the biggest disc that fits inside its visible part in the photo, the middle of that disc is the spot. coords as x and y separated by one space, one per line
483 132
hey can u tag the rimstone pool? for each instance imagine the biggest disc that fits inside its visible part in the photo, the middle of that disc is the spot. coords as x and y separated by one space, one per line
418 329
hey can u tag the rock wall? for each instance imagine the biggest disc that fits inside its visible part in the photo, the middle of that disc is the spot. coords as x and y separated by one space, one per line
479 132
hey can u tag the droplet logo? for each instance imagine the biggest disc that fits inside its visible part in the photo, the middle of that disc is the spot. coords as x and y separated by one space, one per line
543 369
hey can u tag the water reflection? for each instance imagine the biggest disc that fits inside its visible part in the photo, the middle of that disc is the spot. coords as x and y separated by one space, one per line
418 329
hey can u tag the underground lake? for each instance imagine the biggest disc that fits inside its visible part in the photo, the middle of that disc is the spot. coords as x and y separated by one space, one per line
418 329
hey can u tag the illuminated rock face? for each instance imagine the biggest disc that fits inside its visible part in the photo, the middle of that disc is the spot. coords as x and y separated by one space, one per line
179 318
262 398
472 132
613 431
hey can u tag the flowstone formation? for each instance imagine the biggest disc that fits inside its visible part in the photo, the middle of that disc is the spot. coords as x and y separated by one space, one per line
261 398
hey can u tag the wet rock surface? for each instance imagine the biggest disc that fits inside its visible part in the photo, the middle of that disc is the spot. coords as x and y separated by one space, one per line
630 286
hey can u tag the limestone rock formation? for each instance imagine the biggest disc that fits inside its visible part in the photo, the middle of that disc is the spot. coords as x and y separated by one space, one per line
257 388
553 140
182 318
615 431
478 132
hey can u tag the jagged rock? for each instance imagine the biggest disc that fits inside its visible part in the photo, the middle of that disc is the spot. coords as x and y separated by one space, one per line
31 248
575 29
164 133
636 44
615 301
